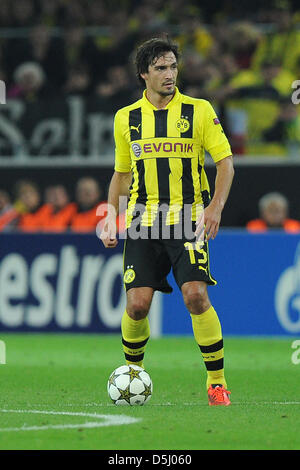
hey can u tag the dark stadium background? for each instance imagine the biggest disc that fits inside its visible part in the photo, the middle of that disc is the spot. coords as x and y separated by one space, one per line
68 66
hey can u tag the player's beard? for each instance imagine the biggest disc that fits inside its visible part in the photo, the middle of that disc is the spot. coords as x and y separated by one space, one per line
167 92
167 88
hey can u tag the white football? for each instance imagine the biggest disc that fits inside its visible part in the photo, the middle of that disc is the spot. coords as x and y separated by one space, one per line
129 385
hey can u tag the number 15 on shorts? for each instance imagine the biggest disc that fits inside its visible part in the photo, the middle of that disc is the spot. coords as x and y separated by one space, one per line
197 254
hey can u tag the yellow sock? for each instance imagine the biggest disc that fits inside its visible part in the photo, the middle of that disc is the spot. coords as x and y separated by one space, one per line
135 334
208 334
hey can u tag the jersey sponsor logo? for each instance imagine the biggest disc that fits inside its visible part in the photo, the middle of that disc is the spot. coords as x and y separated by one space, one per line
162 147
168 147
182 125
137 149
129 276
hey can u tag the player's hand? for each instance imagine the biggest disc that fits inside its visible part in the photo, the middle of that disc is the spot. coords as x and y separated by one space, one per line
208 223
212 219
108 234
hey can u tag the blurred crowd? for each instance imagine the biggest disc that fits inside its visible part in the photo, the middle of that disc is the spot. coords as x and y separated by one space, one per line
29 209
273 213
243 58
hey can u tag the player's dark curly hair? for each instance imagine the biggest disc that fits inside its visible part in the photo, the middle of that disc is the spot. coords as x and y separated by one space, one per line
148 52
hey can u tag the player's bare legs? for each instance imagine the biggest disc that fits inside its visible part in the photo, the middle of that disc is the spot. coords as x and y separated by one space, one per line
139 302
135 324
208 334
195 297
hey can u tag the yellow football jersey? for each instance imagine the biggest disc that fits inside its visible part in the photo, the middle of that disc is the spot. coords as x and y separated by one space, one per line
165 150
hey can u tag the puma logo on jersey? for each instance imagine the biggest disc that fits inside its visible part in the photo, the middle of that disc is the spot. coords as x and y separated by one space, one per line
137 129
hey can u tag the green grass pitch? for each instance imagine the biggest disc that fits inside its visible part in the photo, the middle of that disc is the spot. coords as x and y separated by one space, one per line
53 396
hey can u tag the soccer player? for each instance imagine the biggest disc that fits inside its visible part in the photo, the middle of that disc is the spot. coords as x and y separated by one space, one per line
159 162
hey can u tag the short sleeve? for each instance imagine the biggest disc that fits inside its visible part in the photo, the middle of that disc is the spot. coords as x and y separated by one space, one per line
122 150
215 141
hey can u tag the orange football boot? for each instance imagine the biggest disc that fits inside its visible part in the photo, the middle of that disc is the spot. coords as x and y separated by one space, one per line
218 395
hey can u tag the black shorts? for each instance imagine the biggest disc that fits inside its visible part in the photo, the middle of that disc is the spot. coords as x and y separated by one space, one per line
147 262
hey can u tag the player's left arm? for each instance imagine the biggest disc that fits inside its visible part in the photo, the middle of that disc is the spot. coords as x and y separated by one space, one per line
213 212
215 142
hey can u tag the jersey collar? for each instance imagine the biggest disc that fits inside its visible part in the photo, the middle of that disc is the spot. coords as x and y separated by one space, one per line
175 98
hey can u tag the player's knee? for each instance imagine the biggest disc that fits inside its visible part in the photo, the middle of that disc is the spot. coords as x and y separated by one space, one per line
138 308
196 300
196 303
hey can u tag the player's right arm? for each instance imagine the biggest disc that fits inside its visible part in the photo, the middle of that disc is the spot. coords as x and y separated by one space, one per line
120 182
119 186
